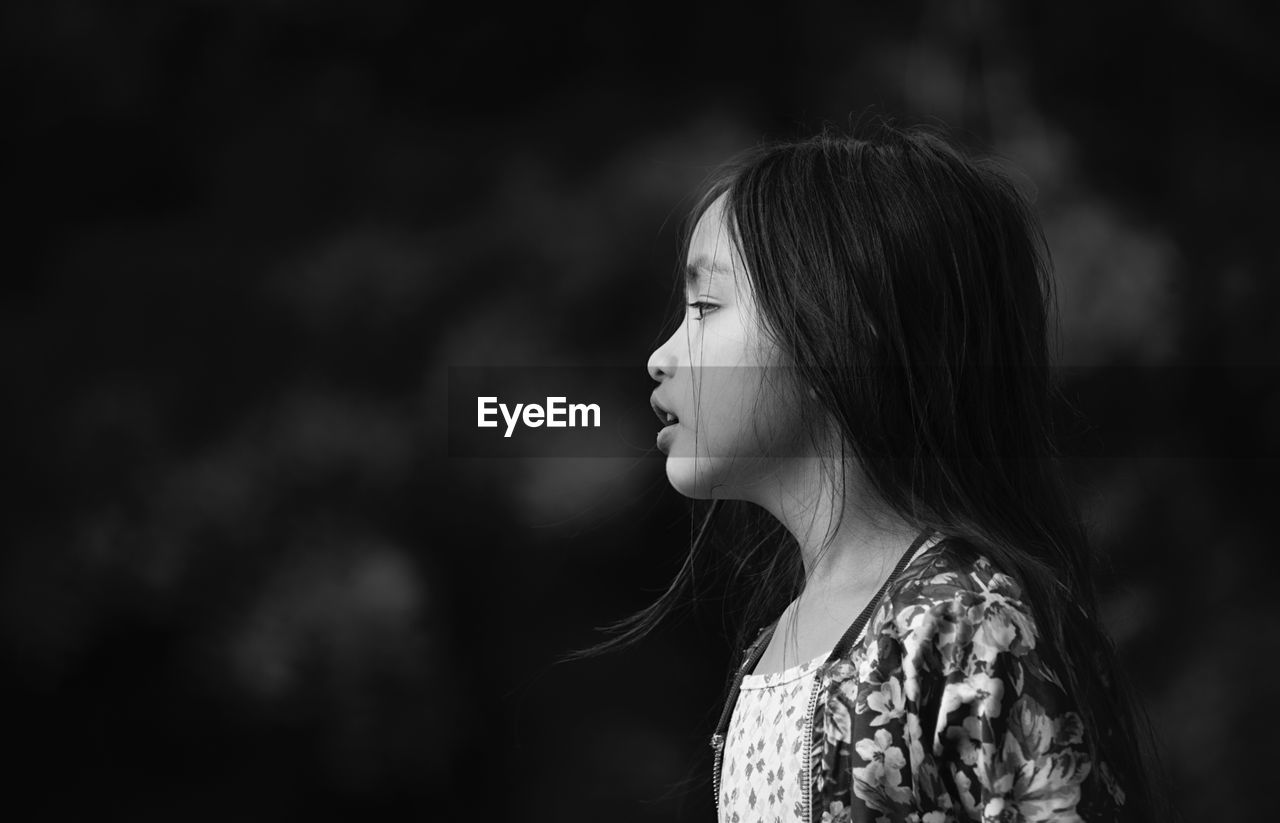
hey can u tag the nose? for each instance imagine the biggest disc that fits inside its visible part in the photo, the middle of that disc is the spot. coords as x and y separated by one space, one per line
662 363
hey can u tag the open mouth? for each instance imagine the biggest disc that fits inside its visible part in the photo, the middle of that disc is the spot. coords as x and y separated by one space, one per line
664 415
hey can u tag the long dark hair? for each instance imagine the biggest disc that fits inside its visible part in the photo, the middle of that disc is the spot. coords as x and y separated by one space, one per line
911 286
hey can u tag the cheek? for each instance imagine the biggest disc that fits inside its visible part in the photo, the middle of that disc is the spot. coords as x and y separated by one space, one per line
743 412
776 424
726 339
737 392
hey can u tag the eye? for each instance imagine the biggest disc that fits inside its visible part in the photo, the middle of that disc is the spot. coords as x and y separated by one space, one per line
704 308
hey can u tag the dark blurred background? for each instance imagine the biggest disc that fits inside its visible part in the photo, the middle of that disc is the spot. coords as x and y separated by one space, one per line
241 579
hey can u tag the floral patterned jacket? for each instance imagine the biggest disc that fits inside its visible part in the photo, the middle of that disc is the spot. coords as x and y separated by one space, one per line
945 711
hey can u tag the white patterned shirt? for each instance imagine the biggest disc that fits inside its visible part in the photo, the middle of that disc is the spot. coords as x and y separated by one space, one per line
760 773
761 770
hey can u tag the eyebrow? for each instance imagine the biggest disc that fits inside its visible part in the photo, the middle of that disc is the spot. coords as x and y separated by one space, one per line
693 271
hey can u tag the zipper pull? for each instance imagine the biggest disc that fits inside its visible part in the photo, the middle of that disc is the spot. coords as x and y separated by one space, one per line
717 742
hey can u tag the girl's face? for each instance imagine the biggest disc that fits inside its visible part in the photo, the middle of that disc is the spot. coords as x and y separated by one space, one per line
723 379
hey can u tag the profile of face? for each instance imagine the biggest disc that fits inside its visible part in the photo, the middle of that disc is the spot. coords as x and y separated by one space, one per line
722 378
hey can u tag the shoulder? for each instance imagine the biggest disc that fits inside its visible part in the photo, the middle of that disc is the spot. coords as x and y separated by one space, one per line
951 568
953 598
950 687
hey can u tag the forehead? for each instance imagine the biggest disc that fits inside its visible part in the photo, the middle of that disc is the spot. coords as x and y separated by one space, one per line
711 247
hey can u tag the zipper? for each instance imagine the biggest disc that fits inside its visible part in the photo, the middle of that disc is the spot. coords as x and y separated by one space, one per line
843 646
717 743
806 761
750 655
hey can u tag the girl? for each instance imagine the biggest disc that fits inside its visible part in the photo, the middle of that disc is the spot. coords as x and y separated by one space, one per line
864 359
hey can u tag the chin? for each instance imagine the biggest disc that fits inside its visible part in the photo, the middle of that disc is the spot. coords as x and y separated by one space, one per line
689 476
712 478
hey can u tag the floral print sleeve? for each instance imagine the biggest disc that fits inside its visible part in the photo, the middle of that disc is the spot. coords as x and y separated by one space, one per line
947 712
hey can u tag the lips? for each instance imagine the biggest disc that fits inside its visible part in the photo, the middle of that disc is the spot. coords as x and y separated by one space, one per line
664 414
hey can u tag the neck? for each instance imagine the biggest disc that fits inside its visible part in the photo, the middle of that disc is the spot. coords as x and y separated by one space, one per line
856 554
